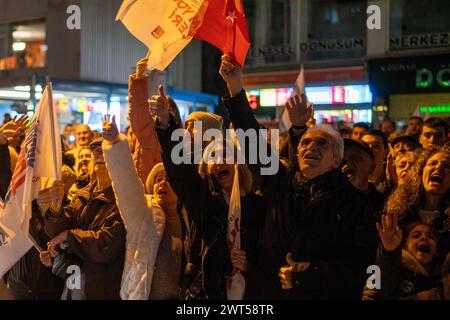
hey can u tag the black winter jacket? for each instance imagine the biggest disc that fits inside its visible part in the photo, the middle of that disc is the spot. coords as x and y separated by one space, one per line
324 221
209 213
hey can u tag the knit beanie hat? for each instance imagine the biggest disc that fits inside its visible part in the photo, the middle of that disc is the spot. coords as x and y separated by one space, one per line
152 177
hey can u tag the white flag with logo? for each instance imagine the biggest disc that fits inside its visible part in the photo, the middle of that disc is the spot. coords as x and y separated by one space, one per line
38 166
165 27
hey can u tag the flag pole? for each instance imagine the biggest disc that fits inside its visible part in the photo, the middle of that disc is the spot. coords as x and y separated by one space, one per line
52 131
52 121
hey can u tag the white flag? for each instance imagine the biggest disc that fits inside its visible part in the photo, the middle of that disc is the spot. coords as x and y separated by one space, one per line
299 88
165 27
38 166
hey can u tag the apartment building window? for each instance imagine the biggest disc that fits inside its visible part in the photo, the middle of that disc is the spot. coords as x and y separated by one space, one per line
269 23
336 30
410 28
29 45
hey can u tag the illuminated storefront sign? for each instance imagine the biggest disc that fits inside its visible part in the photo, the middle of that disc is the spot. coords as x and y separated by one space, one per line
442 108
332 95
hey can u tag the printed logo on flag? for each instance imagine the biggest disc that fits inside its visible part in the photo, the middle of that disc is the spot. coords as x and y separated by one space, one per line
158 32
3 237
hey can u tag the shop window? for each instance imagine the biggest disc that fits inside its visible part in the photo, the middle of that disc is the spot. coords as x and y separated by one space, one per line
29 46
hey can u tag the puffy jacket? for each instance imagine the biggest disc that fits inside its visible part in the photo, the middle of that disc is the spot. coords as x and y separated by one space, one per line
143 219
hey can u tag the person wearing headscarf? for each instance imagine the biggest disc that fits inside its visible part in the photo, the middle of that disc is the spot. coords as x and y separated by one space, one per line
153 222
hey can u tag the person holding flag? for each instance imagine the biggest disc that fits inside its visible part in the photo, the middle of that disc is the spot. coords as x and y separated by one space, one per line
91 232
38 168
220 200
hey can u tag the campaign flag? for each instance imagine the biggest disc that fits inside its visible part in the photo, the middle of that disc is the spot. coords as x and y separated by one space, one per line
38 167
167 27
225 27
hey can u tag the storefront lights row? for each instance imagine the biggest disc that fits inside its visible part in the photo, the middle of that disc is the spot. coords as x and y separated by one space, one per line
326 95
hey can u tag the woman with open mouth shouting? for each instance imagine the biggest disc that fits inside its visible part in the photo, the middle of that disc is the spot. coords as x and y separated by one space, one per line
219 198
425 195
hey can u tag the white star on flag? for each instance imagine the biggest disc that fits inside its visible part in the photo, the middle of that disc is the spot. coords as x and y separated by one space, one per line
231 15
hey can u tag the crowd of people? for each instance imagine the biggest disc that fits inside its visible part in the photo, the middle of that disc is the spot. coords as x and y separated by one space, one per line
141 225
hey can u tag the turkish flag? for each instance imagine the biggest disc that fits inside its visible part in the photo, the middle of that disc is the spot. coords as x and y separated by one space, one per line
225 27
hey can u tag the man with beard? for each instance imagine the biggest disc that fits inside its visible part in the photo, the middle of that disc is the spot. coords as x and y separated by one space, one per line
324 223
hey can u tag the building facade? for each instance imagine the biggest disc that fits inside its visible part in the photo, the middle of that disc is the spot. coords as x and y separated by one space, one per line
340 55
88 65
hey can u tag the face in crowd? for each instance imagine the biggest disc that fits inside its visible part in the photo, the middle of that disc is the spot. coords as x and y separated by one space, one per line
414 127
84 135
387 128
99 164
422 244
68 130
317 154
403 164
436 174
432 137
84 159
163 190
223 174
376 144
358 167
357 132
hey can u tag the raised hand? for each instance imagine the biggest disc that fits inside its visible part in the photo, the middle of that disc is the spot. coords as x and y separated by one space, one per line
159 107
299 110
285 273
110 130
390 232
141 67
239 259
232 75
14 127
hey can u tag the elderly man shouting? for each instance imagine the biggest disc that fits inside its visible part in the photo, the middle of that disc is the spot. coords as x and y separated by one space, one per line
323 224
